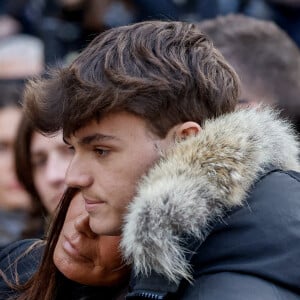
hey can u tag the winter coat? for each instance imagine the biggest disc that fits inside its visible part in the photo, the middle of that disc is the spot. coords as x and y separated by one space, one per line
219 216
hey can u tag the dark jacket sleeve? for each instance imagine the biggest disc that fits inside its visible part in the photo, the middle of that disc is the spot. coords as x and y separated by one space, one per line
12 262
254 252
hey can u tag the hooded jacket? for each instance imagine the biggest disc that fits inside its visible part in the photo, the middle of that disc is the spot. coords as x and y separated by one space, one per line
219 216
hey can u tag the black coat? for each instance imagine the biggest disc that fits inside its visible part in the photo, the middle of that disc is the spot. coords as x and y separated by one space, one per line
252 254
219 216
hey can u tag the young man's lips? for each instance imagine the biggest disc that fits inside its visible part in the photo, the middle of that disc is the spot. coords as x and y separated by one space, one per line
91 204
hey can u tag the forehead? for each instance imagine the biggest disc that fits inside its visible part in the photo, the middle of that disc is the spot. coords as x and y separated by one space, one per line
114 126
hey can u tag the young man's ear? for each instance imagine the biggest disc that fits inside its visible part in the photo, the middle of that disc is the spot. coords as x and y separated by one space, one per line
187 129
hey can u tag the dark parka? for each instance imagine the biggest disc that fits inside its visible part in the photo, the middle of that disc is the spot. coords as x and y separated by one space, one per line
219 216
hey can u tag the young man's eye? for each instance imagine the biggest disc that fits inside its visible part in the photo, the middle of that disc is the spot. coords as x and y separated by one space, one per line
101 152
71 149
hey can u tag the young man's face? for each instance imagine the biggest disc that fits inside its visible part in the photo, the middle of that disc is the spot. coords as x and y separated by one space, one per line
110 157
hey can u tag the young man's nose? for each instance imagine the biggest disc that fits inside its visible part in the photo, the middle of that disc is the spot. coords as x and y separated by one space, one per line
82 226
77 175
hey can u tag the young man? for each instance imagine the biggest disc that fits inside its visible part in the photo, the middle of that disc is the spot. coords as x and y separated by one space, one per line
264 56
206 198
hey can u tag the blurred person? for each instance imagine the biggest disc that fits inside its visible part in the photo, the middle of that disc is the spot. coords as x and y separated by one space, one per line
77 264
206 197
265 58
21 56
15 202
285 13
8 26
41 164
50 157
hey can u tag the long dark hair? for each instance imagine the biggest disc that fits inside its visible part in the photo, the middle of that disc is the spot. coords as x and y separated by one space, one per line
11 96
43 284
23 165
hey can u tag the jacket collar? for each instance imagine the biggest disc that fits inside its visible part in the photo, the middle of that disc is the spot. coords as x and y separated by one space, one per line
197 181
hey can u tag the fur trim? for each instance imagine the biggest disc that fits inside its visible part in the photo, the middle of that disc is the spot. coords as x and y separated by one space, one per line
196 181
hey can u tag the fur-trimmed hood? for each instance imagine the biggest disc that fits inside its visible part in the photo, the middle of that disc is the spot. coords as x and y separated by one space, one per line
197 181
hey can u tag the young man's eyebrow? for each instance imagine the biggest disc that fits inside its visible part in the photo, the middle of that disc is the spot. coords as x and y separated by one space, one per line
92 138
96 138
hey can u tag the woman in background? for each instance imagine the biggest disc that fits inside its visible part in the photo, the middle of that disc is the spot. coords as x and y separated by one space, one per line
15 202
41 163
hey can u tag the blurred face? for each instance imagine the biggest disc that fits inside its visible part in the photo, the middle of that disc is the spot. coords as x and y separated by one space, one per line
83 256
109 159
12 194
50 158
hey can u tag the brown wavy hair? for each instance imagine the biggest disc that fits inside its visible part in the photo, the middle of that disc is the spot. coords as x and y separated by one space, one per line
163 72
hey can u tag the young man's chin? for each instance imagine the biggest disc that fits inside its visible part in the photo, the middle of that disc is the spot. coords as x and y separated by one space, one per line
102 227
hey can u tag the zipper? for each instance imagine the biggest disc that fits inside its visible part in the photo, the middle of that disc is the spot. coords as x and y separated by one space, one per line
146 295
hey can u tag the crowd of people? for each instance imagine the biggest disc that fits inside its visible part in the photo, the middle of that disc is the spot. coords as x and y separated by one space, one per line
150 149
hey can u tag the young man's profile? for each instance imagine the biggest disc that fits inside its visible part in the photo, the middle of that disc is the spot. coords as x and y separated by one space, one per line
205 197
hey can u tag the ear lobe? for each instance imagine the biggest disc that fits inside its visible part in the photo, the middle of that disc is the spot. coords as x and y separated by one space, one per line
187 129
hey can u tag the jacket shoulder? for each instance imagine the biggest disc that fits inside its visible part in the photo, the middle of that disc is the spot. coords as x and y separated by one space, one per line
276 190
257 243
19 260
